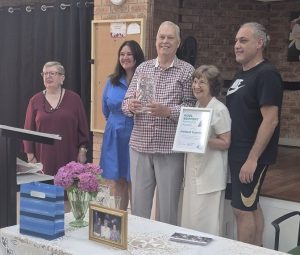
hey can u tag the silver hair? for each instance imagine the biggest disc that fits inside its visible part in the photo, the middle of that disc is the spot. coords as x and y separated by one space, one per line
170 23
59 66
259 31
213 76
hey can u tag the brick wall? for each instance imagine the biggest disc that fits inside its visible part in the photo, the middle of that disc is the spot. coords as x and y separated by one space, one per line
279 17
163 10
214 24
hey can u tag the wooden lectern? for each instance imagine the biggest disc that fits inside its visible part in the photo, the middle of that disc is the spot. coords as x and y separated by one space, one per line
8 183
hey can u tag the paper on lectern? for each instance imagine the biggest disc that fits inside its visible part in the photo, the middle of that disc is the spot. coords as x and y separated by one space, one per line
28 168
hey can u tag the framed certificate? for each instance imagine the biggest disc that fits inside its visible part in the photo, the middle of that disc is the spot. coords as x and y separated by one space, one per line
192 129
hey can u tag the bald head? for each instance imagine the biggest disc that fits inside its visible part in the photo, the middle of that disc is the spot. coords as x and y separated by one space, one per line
167 40
173 25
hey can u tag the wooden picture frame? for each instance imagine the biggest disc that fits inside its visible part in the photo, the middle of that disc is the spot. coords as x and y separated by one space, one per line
192 130
108 226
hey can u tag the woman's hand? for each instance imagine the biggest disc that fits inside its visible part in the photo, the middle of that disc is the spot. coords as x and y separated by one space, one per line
31 158
81 158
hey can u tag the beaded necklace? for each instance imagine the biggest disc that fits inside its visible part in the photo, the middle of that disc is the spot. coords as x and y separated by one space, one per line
58 104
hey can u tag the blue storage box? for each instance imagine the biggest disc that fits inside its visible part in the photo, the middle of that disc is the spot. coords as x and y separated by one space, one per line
42 210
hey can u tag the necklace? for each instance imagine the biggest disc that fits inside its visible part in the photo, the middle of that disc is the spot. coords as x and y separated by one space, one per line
58 103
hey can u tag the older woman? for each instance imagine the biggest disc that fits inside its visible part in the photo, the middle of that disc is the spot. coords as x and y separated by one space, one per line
58 111
205 174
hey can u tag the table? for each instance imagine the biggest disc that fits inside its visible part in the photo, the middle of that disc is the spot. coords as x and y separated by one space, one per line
145 237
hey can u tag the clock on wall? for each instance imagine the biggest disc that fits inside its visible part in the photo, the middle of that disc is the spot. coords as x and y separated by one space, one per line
117 2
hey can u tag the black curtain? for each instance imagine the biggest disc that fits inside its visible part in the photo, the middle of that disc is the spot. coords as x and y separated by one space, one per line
30 36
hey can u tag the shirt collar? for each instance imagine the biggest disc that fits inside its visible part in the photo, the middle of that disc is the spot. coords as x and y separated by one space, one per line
210 103
123 80
174 62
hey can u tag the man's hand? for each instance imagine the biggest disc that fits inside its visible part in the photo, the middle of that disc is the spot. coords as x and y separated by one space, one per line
134 105
247 171
264 134
159 110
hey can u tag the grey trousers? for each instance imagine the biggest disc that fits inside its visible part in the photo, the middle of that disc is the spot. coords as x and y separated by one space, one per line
148 170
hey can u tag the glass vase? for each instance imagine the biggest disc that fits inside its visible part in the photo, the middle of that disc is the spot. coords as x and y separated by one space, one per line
79 202
103 195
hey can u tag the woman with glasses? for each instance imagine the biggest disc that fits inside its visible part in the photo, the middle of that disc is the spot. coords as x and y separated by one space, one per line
206 174
58 111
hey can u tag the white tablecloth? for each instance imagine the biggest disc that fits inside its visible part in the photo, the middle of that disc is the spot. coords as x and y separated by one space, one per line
145 237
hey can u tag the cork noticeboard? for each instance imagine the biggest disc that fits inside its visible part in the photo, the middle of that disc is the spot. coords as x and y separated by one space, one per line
106 41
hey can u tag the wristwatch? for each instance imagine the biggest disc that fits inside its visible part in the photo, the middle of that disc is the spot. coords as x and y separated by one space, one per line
83 149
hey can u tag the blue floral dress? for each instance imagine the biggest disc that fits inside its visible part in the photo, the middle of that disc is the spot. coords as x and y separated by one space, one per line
114 159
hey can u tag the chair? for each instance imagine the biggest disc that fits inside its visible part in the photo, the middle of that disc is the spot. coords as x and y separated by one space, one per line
275 223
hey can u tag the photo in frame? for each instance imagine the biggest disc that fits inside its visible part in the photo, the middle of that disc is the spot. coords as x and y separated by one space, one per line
108 226
293 54
192 129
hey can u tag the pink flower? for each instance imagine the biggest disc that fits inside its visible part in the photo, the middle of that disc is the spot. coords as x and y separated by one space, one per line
88 182
93 168
85 177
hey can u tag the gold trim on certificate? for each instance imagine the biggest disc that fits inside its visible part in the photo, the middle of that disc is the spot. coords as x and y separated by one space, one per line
192 129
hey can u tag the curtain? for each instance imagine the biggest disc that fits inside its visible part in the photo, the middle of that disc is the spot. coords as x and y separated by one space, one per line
31 36
61 32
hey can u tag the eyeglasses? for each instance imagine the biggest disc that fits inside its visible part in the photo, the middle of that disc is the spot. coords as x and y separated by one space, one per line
199 83
51 74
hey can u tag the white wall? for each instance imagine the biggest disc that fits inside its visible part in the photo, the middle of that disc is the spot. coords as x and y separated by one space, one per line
272 209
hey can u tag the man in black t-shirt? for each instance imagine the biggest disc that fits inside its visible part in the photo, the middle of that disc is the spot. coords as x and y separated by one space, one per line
254 102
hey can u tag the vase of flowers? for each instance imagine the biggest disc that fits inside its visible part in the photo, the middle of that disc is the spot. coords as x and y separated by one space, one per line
79 202
81 181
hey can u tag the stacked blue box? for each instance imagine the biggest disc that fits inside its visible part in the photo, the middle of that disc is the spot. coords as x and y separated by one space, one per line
42 210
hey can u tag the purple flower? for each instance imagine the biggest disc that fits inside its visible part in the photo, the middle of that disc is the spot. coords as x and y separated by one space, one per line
93 168
88 182
85 177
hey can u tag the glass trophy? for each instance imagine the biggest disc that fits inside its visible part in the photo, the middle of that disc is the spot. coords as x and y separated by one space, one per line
146 91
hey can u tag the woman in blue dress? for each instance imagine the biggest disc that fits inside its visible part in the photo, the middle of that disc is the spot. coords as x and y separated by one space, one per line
114 159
